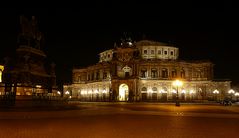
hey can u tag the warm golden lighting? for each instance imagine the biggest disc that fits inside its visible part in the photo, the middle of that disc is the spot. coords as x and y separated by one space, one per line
177 83
104 91
231 91
191 92
174 91
183 91
237 94
58 92
216 91
1 70
123 91
38 86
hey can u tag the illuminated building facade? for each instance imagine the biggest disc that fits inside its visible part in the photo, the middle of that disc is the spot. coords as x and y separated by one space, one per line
145 71
28 73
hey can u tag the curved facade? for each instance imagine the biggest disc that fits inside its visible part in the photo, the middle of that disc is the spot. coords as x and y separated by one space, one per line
145 71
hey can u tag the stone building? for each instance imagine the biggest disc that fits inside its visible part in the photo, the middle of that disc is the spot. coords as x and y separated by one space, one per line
28 73
145 71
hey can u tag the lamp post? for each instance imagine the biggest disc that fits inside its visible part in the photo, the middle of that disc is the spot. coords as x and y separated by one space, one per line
177 83
216 92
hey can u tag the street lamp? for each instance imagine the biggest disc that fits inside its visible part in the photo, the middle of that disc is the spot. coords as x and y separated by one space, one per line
216 92
177 83
231 92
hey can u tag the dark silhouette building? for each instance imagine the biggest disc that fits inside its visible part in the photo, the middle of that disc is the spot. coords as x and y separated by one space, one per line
28 72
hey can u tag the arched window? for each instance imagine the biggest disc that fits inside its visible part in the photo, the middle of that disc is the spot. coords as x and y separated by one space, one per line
154 73
145 51
182 73
165 89
174 73
143 73
92 76
152 51
154 89
104 75
97 75
164 73
171 53
144 89
159 52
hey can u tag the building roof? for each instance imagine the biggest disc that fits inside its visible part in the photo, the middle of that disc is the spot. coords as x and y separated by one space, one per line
151 43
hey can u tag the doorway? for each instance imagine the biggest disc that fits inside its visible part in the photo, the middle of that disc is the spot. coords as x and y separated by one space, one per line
123 92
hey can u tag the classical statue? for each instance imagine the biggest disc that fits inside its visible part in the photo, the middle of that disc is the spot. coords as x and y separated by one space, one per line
30 35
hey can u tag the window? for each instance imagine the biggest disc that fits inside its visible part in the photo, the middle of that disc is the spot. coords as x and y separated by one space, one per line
171 52
145 51
174 73
159 52
104 75
165 52
199 73
126 74
143 73
152 51
154 89
108 55
97 75
165 73
92 76
144 89
182 73
154 73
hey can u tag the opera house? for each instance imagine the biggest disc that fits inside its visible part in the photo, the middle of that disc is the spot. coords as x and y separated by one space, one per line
145 71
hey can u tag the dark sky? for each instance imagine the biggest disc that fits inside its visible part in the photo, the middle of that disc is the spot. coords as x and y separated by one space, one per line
74 36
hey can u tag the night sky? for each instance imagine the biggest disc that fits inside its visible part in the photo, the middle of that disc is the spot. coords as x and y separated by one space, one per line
75 36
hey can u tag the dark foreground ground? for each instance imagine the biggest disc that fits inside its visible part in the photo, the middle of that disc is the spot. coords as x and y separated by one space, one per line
121 120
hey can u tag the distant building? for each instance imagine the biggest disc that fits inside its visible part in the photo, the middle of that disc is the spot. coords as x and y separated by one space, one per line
1 70
28 73
145 71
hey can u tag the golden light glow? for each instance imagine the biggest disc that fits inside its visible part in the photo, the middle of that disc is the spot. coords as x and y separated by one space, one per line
191 92
104 91
231 91
174 91
177 83
123 90
38 86
1 70
162 91
237 94
67 92
183 91
216 91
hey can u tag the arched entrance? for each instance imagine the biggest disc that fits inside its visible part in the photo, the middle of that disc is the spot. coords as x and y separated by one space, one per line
123 92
